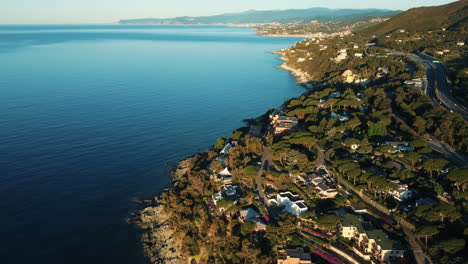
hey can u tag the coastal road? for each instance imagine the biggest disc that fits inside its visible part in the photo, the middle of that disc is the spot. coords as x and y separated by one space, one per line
436 88
265 166
459 158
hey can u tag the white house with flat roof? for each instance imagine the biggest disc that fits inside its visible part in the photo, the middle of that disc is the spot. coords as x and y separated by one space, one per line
292 203
402 193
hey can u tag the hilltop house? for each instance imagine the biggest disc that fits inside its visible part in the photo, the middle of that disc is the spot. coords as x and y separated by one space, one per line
226 149
359 55
292 203
400 146
325 191
371 244
348 76
402 193
342 55
316 180
294 256
282 124
225 198
225 176
250 215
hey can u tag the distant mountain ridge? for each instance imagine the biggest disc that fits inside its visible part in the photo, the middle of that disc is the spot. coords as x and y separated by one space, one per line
451 16
280 16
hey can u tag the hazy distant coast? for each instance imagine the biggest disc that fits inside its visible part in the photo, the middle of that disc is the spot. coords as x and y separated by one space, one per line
256 18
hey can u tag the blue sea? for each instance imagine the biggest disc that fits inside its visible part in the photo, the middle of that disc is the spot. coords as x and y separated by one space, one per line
92 118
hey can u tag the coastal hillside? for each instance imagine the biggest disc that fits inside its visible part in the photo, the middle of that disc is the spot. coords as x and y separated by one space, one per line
370 153
425 18
280 16
440 32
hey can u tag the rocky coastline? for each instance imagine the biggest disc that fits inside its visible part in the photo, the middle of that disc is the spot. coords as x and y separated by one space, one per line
303 78
159 243
158 237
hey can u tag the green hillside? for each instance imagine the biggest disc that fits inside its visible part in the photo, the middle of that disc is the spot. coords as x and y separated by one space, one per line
425 18
270 16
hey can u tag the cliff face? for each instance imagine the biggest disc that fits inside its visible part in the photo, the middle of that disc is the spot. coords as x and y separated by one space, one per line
158 238
182 168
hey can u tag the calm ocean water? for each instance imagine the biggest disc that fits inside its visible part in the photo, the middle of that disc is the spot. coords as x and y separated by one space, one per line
91 118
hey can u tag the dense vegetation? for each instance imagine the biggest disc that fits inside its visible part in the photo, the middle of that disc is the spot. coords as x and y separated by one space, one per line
367 127
436 32
423 19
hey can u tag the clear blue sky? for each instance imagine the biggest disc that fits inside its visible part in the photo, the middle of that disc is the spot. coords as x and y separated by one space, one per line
108 11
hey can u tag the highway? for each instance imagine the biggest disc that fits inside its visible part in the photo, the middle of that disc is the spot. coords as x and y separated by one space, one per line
436 86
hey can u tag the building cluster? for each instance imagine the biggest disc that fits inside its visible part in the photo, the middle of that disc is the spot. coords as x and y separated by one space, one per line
292 203
370 243
324 184
282 124
224 175
228 192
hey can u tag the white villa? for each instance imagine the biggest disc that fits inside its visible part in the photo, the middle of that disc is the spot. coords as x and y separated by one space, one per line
402 193
292 203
